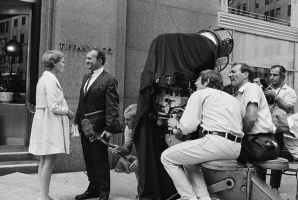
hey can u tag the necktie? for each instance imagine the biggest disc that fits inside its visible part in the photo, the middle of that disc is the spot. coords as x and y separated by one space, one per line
87 83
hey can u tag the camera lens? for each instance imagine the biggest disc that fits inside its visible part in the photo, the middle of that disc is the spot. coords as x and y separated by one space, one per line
270 100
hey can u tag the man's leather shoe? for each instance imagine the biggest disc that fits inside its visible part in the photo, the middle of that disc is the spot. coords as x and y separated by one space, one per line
86 195
103 198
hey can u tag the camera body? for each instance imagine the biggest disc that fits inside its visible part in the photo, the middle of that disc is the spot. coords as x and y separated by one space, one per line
270 100
170 101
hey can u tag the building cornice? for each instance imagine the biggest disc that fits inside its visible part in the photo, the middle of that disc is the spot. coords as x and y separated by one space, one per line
254 26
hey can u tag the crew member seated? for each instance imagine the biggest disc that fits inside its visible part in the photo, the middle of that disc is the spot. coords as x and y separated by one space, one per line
257 122
220 116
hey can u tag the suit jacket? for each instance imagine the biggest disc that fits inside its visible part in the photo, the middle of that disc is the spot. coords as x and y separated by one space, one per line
101 96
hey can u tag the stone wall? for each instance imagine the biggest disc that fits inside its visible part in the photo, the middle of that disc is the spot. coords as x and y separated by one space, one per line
127 27
146 19
74 27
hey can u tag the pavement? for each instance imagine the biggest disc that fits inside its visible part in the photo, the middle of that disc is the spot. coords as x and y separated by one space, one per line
65 186
288 186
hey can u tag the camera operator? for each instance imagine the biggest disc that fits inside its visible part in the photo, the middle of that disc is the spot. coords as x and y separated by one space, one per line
284 99
220 116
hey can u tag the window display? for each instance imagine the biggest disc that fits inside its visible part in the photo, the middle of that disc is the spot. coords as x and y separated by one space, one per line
13 58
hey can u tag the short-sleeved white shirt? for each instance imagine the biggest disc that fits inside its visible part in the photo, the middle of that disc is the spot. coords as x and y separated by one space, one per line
252 93
213 110
287 94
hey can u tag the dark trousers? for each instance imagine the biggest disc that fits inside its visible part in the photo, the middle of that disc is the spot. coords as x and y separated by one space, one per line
97 166
276 175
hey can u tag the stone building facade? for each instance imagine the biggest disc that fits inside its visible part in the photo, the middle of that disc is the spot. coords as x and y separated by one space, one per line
125 30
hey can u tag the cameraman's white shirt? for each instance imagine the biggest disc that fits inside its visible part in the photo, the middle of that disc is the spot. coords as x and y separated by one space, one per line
213 110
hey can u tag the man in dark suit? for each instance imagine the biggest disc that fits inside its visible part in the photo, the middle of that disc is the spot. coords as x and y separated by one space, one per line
99 99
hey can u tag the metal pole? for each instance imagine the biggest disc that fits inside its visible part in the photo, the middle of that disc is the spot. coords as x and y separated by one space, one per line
248 186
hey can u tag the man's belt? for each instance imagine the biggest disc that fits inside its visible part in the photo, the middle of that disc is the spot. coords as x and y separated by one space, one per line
228 136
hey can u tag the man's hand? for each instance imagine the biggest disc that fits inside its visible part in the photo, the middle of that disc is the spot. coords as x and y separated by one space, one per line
106 135
70 114
282 120
172 122
116 149
270 92
74 131
134 165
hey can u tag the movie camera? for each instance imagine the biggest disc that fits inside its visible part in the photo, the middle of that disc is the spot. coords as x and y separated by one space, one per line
172 94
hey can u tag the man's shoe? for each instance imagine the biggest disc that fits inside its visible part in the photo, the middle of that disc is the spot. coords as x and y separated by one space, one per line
86 195
275 190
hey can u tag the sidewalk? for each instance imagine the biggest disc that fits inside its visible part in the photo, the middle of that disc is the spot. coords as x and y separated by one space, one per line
64 186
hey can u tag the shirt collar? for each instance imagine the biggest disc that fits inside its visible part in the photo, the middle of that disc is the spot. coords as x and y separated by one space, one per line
243 87
283 87
98 71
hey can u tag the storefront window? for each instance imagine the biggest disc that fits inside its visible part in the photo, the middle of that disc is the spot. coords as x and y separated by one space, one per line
13 67
19 46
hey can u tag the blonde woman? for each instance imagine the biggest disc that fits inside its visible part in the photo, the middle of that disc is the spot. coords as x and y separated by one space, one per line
50 134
